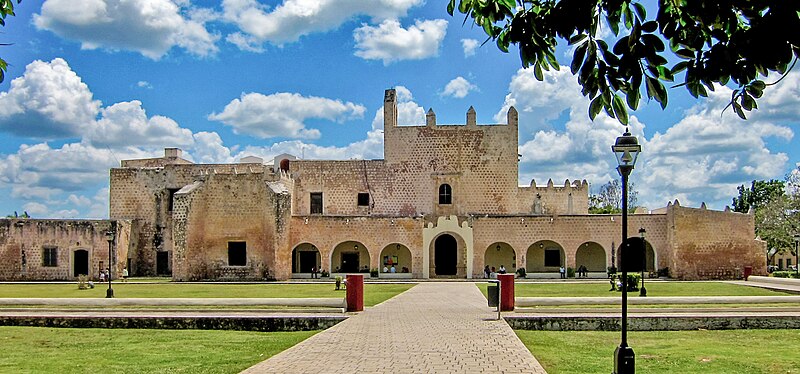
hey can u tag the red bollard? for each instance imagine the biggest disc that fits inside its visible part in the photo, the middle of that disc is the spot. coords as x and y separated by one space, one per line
506 292
355 292
747 271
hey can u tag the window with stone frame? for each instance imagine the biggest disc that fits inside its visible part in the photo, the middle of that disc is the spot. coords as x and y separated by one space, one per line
445 194
50 256
237 253
316 203
363 199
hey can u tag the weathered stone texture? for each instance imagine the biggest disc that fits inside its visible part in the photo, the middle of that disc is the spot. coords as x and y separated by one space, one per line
710 244
23 242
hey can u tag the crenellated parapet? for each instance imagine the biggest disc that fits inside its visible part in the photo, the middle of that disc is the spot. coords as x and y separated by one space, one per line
550 199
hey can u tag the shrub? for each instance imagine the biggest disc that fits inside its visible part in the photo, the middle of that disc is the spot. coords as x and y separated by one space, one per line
570 272
373 273
611 270
663 272
325 274
521 273
785 274
338 282
633 281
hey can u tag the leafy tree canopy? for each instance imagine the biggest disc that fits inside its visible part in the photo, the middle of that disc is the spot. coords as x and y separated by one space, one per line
759 194
6 9
608 200
777 213
709 42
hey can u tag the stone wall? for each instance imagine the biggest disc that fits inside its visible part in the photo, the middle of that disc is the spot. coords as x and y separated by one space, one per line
707 244
23 243
223 208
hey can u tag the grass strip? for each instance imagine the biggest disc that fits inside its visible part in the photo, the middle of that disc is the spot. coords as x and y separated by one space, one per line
66 350
660 288
373 293
708 352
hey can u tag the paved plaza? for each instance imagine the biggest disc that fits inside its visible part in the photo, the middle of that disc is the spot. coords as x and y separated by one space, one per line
435 327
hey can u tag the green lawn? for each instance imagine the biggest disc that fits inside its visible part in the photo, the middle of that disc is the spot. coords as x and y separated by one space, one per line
660 288
51 350
707 352
373 293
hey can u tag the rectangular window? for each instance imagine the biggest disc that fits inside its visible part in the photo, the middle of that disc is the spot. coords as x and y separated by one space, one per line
50 256
316 203
363 199
237 253
552 257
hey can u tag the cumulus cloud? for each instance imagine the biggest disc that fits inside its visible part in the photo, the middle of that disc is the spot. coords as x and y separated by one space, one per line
292 19
48 101
723 152
469 46
126 123
459 88
150 27
390 42
409 113
283 114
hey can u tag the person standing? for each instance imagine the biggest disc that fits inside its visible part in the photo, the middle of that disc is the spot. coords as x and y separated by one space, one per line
125 274
486 271
562 272
502 269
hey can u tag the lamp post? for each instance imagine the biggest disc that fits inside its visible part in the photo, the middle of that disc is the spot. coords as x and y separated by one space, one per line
796 253
110 238
627 150
642 231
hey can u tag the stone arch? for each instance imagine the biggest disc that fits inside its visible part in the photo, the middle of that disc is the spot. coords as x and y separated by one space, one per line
592 255
80 262
500 253
540 257
651 256
305 256
350 257
447 256
398 255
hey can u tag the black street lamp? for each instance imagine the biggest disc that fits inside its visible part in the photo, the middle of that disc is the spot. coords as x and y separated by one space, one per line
796 253
627 150
642 231
110 238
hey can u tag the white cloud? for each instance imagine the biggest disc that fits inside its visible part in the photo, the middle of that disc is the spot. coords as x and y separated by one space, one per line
283 114
144 84
469 46
126 123
459 88
208 149
48 101
292 19
702 157
150 27
390 42
409 113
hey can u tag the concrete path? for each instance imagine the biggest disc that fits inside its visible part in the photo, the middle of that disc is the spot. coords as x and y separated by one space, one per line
431 328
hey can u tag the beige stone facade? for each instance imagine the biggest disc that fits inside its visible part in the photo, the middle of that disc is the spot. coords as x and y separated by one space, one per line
444 202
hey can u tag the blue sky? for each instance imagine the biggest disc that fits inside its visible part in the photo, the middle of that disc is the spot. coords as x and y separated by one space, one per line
122 79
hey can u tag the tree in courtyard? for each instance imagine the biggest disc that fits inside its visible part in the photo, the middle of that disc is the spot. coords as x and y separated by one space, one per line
608 200
707 43
777 213
6 9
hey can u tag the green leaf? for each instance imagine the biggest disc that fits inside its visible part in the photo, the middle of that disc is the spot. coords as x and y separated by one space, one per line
451 6
595 107
537 72
633 97
640 11
577 57
738 110
619 110
577 39
508 4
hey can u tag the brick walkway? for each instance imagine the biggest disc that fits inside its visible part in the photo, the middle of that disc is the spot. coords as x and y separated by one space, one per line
431 328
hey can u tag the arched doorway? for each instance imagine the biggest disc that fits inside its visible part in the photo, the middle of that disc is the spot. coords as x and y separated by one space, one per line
398 256
591 255
650 259
445 258
80 262
545 256
304 258
350 257
499 254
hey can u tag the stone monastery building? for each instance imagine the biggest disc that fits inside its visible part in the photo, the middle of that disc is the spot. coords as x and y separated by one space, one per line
444 203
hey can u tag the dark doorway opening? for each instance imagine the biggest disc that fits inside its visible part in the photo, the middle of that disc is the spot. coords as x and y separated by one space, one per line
349 262
162 263
446 255
308 260
80 264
